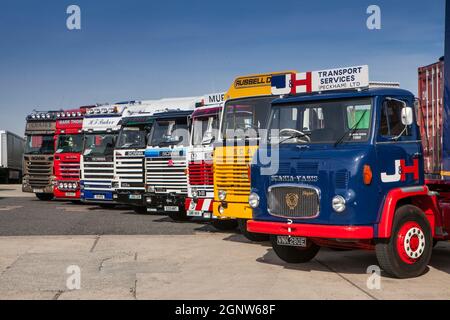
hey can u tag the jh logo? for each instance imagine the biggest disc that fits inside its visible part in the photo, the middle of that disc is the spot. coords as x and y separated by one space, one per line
401 170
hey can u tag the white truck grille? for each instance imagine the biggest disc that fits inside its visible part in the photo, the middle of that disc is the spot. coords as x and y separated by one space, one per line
130 171
167 174
98 175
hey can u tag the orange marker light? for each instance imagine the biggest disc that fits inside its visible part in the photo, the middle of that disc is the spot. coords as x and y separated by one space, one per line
367 175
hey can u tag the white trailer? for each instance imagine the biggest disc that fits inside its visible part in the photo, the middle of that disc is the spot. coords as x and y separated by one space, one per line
11 153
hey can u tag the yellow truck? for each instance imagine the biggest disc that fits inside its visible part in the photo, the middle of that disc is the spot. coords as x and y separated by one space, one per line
243 117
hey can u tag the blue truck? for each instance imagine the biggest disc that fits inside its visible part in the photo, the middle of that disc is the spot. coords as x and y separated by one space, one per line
346 171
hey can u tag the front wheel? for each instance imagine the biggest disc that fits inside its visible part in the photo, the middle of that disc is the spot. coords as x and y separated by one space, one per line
257 237
140 210
44 196
407 252
291 254
224 224
107 205
179 216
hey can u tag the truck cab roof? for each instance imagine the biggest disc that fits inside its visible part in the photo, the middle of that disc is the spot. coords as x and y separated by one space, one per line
343 95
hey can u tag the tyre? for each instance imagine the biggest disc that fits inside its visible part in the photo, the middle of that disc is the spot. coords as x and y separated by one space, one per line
407 252
257 237
44 196
179 216
140 210
224 224
295 254
107 205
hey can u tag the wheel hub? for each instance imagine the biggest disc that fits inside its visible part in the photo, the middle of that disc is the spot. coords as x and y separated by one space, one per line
410 242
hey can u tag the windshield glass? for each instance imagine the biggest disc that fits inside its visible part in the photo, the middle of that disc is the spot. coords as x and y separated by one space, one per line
321 122
70 143
243 118
204 130
99 144
132 137
169 133
40 144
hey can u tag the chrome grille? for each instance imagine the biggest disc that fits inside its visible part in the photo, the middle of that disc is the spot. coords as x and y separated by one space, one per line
69 170
293 201
130 171
97 175
167 174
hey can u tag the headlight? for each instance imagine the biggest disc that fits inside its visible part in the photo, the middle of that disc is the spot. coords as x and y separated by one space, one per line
194 193
65 185
338 204
115 185
221 209
222 195
150 189
253 200
148 200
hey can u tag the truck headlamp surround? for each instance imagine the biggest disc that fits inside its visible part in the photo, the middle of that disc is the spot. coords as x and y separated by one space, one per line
253 200
221 209
338 204
222 194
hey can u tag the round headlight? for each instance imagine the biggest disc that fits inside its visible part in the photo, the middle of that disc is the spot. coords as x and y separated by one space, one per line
221 209
338 204
60 186
65 185
222 195
253 200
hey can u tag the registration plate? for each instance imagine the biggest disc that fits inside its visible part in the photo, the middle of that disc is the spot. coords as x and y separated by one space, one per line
135 196
194 213
171 208
291 241
38 190
99 196
70 194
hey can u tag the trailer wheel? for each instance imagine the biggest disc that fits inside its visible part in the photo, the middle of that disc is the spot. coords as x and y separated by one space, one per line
44 196
224 224
407 252
256 237
179 216
295 254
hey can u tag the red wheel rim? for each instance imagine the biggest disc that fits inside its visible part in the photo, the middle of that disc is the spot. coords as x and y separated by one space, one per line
410 242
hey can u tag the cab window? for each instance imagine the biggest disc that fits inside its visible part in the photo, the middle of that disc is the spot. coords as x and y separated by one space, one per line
391 125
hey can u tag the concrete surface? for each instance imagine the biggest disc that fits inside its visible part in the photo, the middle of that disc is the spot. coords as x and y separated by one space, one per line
175 260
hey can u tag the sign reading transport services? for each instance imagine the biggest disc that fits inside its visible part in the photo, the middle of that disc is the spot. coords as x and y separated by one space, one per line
323 80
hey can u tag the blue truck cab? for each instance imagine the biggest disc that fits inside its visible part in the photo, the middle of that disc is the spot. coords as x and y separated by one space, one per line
344 168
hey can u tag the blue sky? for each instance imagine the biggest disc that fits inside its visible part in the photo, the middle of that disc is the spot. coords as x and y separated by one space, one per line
139 49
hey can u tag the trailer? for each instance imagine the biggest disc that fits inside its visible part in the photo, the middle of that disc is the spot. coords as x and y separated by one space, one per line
11 153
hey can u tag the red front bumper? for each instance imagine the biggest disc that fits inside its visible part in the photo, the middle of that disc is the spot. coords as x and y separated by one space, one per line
311 230
66 195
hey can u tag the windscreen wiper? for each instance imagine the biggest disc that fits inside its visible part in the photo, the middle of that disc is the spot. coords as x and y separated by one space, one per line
350 131
295 135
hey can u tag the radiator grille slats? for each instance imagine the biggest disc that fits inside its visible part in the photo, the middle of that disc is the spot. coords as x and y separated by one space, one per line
130 171
293 202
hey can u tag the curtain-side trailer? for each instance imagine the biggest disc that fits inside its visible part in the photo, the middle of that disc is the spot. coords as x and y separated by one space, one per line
11 152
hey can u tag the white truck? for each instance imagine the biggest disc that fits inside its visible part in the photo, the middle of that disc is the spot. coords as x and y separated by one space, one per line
11 153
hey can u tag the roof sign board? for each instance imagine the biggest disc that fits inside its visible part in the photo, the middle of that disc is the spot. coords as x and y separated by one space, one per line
356 77
253 85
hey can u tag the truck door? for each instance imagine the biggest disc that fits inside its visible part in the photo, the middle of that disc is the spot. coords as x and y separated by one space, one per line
398 147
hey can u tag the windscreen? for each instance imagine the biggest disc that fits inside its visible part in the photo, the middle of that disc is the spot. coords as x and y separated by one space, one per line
321 122
205 129
70 143
40 144
132 137
244 118
169 133
99 144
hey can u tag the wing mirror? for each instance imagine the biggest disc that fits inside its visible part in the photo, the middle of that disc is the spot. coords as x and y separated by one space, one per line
407 116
